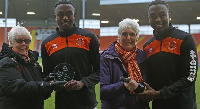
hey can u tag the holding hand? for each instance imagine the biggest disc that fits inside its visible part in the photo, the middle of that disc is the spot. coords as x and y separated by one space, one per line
149 94
73 85
131 85
51 77
58 85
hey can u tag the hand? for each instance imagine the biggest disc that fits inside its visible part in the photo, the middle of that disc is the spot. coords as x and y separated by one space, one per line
140 88
51 77
131 85
73 85
149 95
58 85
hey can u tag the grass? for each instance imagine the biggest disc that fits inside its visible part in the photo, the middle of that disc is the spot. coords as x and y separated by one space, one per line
49 103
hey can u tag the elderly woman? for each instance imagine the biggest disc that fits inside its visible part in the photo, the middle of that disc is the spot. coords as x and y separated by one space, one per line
21 83
123 58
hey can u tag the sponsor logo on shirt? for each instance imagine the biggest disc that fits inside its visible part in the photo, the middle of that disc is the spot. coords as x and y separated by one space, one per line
80 42
192 66
172 45
150 50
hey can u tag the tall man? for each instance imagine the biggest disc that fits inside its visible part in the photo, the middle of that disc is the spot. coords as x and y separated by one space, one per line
172 60
78 49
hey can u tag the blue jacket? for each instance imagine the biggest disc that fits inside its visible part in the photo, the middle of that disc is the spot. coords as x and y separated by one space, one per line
113 93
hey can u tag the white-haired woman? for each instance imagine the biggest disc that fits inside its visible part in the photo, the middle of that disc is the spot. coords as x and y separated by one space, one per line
21 83
123 58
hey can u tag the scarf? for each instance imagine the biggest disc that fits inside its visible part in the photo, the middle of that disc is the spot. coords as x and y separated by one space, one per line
129 61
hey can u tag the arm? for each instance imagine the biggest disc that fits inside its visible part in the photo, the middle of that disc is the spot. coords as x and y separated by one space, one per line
46 61
13 84
93 78
109 90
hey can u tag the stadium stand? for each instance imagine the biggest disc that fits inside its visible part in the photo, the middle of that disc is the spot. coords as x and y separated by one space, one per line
39 34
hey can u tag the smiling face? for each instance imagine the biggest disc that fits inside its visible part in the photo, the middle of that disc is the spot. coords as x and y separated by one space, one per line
159 17
20 48
65 15
128 39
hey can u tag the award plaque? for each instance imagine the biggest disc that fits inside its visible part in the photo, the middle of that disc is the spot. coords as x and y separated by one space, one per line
65 72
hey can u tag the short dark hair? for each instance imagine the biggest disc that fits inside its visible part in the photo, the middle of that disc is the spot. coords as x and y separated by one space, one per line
157 2
63 2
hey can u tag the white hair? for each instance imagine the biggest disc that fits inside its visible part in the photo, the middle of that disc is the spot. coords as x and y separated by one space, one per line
128 24
18 31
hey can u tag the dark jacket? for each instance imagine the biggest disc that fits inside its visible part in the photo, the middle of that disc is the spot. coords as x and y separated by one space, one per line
80 49
173 64
113 93
21 84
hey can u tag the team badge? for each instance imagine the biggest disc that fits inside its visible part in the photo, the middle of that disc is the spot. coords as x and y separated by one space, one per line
150 50
172 45
80 42
65 72
54 46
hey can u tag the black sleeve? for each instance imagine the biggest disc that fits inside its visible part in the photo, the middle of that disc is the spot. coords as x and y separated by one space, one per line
93 78
46 61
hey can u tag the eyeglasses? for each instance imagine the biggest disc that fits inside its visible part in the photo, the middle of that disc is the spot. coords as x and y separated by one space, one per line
27 41
155 16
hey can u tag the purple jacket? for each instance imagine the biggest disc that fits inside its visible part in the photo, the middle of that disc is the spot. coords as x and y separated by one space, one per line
113 93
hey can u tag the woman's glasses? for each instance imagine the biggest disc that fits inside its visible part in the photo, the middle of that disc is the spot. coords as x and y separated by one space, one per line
27 41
